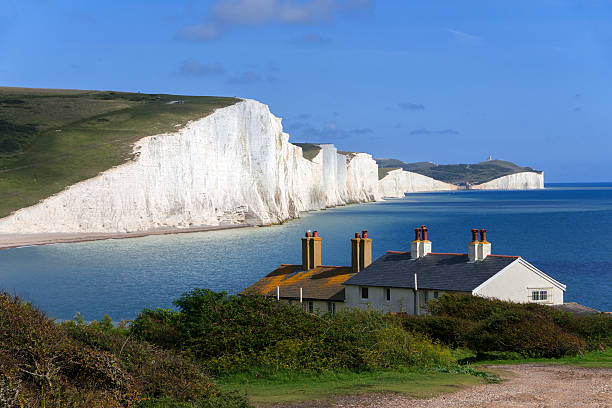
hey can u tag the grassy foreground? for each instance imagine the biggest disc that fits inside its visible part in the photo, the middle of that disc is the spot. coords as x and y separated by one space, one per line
290 388
50 139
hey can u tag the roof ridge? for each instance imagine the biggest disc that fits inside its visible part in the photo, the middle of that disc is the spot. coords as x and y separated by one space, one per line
505 256
445 253
397 252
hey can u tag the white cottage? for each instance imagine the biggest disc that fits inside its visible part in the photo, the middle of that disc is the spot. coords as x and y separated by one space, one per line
403 282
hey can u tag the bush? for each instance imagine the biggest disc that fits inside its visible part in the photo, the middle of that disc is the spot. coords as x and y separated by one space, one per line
90 365
232 334
489 325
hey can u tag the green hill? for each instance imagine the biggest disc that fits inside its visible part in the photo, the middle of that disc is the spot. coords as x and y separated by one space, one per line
50 139
458 173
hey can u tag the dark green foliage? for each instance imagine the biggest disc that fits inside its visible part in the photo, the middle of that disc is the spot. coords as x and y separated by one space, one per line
595 329
532 330
92 365
242 333
158 326
14 137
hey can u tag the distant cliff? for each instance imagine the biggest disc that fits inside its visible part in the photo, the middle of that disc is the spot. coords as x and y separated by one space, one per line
517 181
460 174
397 182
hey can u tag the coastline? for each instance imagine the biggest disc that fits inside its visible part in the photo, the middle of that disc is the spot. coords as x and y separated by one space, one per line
8 241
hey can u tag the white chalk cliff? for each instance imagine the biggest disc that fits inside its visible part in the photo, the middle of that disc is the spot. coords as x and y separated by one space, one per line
527 180
235 166
397 182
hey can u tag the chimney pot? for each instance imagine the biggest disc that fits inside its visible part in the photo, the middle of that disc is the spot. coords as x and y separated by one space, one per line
417 234
307 235
483 235
474 235
314 234
357 235
424 232
364 233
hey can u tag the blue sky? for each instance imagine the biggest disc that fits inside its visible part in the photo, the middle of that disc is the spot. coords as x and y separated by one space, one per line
441 81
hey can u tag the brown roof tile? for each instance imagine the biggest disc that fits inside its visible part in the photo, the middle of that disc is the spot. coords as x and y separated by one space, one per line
321 283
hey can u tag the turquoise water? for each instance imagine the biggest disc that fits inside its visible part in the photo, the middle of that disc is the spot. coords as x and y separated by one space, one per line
565 230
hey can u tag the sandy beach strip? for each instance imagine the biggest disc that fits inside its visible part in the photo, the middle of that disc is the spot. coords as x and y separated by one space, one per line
21 240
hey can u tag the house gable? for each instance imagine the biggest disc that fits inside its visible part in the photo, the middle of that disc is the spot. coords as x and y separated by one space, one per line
517 282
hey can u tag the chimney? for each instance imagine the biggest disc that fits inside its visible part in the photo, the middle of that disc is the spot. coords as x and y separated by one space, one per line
473 246
365 250
311 251
415 245
426 244
356 253
484 249
421 246
478 250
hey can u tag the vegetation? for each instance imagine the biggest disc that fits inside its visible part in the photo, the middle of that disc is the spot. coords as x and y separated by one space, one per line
488 326
309 150
213 344
295 387
458 173
232 334
50 139
93 365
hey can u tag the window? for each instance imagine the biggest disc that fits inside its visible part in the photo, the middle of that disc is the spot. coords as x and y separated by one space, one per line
364 293
310 307
539 295
388 294
436 294
331 307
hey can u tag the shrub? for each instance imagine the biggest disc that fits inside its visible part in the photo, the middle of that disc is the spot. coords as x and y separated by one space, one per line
90 365
486 325
231 334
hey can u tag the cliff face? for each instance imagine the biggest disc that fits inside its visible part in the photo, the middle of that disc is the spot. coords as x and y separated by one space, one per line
397 182
517 181
234 166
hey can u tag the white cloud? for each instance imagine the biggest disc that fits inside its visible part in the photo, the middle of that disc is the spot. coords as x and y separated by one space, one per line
225 14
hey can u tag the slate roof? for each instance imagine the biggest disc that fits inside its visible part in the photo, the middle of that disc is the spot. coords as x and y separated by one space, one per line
321 283
434 271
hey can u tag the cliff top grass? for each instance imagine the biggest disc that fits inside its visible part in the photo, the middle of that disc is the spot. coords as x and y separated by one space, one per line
476 173
51 138
309 150
383 171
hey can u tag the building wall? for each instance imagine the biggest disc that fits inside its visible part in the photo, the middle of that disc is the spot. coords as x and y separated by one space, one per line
319 306
516 283
402 300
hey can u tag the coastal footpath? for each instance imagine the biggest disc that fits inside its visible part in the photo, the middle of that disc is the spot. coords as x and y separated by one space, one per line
233 167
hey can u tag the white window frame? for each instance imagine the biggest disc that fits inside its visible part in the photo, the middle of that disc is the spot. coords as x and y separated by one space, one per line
538 297
331 307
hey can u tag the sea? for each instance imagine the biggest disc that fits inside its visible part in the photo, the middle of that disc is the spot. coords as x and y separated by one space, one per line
565 230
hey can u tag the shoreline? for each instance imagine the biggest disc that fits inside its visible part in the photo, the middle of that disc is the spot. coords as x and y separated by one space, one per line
8 241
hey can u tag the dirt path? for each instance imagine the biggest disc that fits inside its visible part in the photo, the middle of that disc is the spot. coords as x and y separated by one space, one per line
524 386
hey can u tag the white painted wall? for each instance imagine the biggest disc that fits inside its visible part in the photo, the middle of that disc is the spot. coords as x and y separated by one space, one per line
515 283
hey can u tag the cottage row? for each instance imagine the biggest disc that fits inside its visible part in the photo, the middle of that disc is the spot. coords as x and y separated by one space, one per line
403 282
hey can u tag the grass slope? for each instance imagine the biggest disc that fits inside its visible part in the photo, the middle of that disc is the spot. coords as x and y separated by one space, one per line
292 388
459 173
51 139
309 150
